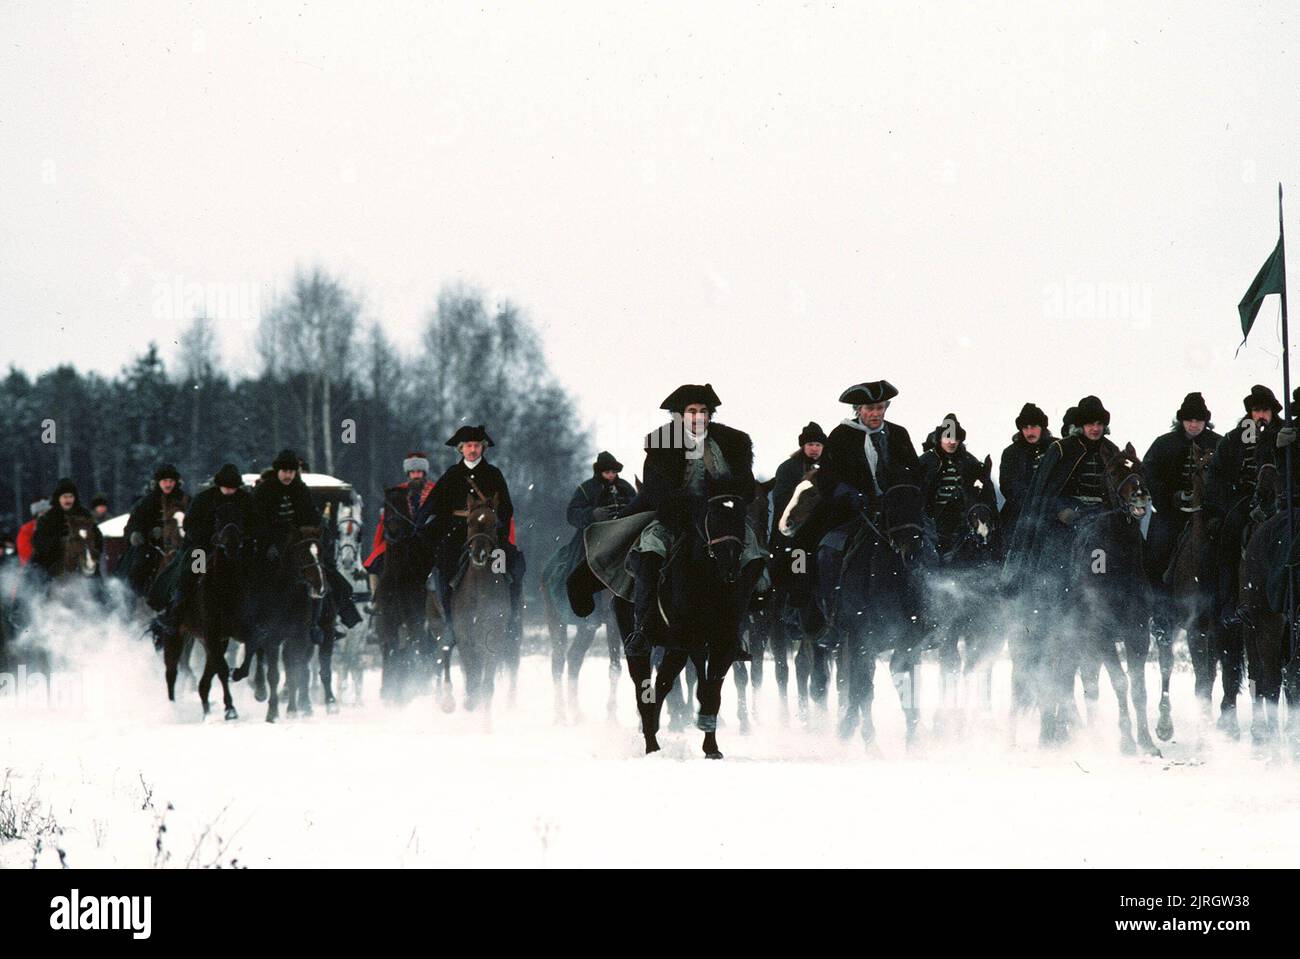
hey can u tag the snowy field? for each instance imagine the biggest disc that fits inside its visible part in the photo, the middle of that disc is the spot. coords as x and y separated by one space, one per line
123 778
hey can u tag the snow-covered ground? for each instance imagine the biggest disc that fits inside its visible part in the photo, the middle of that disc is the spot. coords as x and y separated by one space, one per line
372 786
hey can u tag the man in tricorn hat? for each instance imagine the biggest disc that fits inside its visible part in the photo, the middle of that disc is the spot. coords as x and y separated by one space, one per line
472 475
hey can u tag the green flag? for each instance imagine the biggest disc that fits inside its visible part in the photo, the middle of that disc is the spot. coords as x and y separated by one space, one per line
1270 279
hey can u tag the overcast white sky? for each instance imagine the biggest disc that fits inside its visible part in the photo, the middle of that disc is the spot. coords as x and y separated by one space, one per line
983 202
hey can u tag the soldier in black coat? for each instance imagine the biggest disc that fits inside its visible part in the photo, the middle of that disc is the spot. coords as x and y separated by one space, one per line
283 502
52 527
1020 462
448 531
947 470
812 443
681 458
234 501
1169 470
868 453
793 581
601 497
144 527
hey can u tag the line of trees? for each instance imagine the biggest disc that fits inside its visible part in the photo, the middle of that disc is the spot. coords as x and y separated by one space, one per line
340 394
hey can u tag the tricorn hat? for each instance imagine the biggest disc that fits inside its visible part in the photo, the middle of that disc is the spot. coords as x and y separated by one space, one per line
875 391
286 460
812 433
606 461
1261 398
1090 410
228 476
471 434
1193 408
1031 415
688 393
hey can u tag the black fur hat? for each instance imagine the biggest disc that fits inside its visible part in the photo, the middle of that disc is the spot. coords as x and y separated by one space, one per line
1031 415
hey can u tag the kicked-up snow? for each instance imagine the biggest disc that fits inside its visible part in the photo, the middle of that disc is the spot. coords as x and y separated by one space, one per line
113 775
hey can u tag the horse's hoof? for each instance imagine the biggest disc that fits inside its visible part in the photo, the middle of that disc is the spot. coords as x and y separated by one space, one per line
271 717
239 673
713 754
1227 723
332 708
744 725
1165 726
231 714
1127 746
651 744
260 694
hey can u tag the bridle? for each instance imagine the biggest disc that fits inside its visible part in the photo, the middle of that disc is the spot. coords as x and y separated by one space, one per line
710 541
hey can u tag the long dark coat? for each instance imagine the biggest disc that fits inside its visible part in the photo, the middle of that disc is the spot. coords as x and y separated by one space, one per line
1016 472
844 460
267 495
1222 490
450 493
587 497
664 473
788 475
1034 553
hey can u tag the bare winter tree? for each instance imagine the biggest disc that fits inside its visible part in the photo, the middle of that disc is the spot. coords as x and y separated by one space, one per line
198 363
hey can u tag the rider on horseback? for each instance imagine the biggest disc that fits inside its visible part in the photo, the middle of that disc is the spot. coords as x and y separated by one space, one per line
414 508
1171 468
947 468
227 491
1020 462
144 527
52 528
473 476
284 503
681 456
865 456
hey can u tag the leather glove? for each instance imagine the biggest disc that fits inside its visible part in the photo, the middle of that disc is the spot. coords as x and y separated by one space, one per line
1285 437
137 539
602 513
155 533
1067 516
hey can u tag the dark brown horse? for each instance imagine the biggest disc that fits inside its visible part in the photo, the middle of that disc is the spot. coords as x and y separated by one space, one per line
82 545
401 621
214 615
480 604
1191 588
757 627
296 585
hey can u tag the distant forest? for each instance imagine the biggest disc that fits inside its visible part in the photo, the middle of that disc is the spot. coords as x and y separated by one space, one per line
339 394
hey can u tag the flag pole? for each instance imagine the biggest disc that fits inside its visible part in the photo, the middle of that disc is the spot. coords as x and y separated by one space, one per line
1286 416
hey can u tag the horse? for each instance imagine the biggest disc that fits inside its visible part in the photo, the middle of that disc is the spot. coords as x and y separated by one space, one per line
958 601
1264 625
294 588
480 603
214 615
82 545
1191 594
1107 581
795 607
704 593
400 615
757 628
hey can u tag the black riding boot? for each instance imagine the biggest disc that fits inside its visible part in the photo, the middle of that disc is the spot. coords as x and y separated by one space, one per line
639 642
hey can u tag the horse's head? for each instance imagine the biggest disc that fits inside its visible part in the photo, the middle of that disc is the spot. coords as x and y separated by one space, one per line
1126 479
173 534
1268 488
481 528
303 550
1200 460
904 512
81 547
980 513
803 502
720 524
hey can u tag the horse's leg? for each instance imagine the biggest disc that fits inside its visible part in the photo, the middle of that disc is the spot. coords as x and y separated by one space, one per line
205 681
577 652
325 661
269 659
946 718
613 648
902 670
1231 649
217 655
712 673
559 642
741 676
674 660
171 659
1137 648
1165 653
780 661
260 654
1119 682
